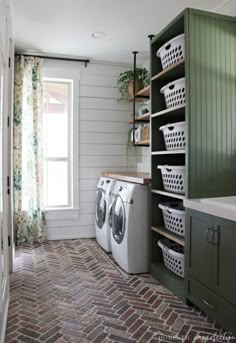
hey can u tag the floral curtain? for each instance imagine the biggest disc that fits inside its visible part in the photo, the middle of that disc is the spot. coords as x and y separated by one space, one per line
28 158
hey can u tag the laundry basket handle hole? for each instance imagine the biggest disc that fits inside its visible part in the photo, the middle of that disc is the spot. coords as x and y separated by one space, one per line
171 87
169 170
171 128
167 47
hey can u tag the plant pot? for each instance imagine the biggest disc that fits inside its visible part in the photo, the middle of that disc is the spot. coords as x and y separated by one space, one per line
138 86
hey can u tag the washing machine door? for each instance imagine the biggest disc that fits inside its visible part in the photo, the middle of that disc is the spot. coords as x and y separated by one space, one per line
118 219
101 208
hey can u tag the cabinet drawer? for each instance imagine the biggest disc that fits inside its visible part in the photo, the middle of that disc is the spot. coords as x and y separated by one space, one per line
215 306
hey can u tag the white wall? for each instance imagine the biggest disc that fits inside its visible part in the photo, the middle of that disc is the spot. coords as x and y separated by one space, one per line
144 154
5 157
103 136
144 160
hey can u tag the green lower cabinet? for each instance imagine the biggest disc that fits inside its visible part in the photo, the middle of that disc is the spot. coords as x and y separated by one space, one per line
226 259
210 278
211 303
202 257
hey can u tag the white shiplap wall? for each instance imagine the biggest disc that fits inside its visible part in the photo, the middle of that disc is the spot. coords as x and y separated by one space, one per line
103 130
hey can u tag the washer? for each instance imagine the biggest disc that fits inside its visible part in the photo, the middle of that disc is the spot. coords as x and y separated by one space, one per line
104 194
130 227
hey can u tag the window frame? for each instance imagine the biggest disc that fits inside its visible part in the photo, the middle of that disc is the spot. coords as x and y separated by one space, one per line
58 74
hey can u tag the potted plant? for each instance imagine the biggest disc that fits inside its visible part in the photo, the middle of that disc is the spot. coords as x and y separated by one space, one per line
125 81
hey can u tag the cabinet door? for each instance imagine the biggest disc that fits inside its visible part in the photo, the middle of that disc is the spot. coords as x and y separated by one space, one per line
201 254
225 238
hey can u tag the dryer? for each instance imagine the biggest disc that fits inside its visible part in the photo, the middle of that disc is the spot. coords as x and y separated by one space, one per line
130 227
104 194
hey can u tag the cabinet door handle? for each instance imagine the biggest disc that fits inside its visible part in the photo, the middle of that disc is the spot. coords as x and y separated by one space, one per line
209 235
209 305
216 235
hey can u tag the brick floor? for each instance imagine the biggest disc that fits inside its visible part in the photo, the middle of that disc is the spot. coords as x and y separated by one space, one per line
71 291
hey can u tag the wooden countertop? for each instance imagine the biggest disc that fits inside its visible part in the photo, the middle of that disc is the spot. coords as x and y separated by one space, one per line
142 178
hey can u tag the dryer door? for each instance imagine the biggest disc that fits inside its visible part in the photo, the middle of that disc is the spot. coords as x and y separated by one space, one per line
118 219
101 208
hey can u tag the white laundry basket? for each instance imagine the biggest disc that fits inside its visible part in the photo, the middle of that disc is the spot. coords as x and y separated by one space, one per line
172 51
174 93
174 135
173 178
174 217
173 256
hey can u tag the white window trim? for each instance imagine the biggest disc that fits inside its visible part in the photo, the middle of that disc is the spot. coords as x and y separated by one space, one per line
62 73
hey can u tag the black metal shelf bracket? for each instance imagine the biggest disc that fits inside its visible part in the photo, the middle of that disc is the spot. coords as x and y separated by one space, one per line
134 92
151 36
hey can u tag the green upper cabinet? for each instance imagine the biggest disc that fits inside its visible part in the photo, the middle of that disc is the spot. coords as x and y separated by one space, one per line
211 103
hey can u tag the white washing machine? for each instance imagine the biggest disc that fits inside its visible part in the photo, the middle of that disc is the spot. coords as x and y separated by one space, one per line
104 194
130 227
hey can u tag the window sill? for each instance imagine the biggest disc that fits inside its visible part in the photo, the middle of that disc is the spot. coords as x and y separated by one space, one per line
61 209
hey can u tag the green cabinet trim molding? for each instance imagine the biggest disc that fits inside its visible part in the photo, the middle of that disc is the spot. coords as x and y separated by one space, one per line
209 69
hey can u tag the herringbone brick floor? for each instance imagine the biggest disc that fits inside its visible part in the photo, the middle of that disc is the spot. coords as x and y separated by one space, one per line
71 291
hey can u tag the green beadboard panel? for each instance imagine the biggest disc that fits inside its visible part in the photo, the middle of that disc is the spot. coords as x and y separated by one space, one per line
211 115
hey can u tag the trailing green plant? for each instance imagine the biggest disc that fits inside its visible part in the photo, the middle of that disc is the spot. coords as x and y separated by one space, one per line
129 142
124 78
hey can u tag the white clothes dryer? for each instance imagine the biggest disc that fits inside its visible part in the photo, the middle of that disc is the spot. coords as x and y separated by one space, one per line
130 227
104 194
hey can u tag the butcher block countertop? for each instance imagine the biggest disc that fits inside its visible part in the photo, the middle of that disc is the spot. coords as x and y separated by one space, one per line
142 178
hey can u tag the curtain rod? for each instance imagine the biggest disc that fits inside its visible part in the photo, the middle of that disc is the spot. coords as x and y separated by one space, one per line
86 61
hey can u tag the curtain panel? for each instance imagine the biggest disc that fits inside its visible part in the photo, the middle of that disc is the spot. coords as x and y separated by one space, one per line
29 215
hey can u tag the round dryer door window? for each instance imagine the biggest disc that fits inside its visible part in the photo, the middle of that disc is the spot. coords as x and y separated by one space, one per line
118 219
100 208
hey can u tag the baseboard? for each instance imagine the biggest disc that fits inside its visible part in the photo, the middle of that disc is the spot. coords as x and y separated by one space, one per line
60 233
4 322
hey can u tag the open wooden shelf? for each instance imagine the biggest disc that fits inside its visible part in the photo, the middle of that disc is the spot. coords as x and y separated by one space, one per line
170 111
141 95
136 99
169 194
143 118
175 71
168 152
168 234
144 92
146 142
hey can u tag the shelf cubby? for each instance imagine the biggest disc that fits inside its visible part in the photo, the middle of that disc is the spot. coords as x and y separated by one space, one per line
169 112
169 194
172 73
168 152
168 234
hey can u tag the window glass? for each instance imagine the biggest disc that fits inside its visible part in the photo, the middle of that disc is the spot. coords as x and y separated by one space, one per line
57 100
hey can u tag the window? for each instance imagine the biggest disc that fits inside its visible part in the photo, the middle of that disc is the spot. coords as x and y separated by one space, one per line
58 142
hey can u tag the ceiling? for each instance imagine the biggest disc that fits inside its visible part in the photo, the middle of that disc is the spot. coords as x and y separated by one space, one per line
65 26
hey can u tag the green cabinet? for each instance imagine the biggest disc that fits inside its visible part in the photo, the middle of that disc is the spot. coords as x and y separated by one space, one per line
202 253
209 156
226 257
210 257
